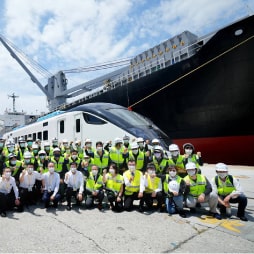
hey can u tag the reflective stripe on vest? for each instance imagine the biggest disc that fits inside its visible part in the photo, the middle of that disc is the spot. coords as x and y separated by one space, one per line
178 179
135 184
198 187
152 185
91 185
225 188
114 183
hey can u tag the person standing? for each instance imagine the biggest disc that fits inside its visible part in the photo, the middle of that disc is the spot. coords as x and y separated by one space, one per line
229 191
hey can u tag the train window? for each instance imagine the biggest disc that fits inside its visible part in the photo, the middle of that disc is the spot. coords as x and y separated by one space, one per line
45 124
39 135
77 125
34 136
90 119
62 126
45 135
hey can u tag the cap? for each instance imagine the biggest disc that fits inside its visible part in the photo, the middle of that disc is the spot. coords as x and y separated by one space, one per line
221 167
134 146
190 165
188 144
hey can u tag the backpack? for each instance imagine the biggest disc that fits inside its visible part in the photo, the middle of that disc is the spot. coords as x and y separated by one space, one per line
230 179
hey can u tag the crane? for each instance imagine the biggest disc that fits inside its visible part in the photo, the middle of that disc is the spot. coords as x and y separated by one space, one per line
13 96
56 89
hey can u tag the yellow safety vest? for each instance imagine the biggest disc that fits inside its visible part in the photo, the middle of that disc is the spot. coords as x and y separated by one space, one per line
153 184
139 160
114 183
58 164
225 188
116 155
101 163
178 179
196 187
91 185
160 167
135 183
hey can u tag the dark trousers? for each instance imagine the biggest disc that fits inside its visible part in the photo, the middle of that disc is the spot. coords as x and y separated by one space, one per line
27 197
46 198
148 199
242 203
90 198
128 201
71 193
112 198
7 201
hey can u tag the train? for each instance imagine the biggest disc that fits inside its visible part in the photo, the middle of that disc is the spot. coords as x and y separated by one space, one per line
96 121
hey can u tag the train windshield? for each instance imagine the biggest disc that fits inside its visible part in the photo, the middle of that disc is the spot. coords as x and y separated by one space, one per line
130 117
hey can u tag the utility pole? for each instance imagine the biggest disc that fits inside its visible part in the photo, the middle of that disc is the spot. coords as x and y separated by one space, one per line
13 96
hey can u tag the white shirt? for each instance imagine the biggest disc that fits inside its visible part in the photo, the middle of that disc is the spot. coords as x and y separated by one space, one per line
29 179
51 182
7 184
75 181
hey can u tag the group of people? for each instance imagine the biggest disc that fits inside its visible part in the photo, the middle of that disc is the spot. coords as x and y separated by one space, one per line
119 173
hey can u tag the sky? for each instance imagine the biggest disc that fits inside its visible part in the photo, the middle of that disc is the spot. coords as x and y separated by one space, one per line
68 34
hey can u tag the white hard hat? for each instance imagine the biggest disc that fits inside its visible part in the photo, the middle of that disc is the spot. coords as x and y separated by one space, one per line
118 140
221 167
125 137
140 140
173 147
155 140
174 186
41 152
134 146
56 150
158 148
88 141
65 140
46 143
27 155
190 165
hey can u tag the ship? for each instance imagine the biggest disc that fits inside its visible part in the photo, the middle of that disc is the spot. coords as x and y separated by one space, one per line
196 89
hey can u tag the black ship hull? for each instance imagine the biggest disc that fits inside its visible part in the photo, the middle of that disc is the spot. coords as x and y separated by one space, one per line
206 100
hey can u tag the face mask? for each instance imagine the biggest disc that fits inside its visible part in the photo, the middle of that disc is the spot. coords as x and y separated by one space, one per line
157 155
1 145
57 155
88 145
42 157
30 170
47 148
112 171
35 151
151 172
73 170
141 145
188 151
222 175
7 174
175 153
29 143
99 148
13 163
191 172
132 168
27 161
51 170
55 144
65 145
126 142
11 149
74 157
172 173
135 151
94 172
22 145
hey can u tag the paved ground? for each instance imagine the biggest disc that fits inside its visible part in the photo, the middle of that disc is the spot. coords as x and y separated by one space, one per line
81 230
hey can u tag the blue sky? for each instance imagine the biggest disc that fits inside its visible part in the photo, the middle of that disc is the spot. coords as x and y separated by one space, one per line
67 34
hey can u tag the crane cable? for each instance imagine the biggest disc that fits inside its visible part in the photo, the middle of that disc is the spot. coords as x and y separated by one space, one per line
190 72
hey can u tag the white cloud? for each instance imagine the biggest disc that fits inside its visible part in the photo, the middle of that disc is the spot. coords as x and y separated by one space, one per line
64 34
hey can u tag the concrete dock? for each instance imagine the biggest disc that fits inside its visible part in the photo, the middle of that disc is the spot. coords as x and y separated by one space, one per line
81 230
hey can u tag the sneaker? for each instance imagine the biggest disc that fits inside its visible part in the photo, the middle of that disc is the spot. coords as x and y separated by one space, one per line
217 216
193 210
141 209
243 218
68 207
100 206
182 214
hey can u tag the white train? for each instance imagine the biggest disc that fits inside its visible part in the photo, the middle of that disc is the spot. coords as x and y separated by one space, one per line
96 121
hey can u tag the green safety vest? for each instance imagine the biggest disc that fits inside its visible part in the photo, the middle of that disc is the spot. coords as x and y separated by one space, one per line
15 169
198 187
139 159
101 163
178 179
116 156
58 164
160 167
